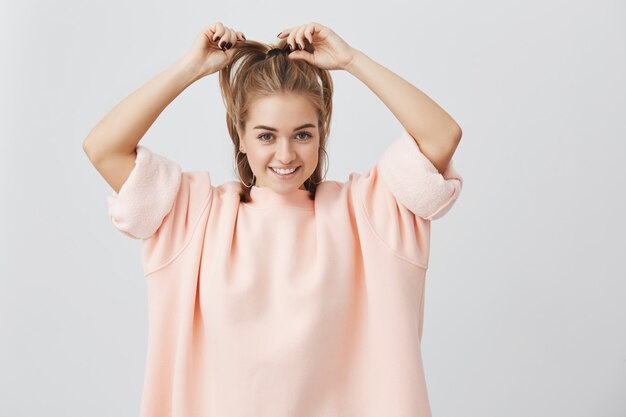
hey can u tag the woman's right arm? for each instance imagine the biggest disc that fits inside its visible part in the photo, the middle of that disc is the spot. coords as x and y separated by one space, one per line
111 144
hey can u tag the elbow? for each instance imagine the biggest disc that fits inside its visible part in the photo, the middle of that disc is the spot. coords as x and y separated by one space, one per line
457 133
87 148
90 151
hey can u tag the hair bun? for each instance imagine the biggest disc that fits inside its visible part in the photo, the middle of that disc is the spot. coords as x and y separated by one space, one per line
275 51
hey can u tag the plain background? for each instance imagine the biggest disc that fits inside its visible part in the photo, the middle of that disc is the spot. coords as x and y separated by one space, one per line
525 312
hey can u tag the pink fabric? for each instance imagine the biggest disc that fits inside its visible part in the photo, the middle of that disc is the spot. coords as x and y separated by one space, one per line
286 306
429 197
152 185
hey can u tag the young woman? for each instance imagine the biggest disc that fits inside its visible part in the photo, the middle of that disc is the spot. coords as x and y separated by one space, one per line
281 294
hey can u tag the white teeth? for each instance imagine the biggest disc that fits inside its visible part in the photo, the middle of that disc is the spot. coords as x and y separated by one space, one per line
283 171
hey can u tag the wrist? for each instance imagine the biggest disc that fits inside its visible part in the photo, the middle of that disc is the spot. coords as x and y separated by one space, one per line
191 68
352 65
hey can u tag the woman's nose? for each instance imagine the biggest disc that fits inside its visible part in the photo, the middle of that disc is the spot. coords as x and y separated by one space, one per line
285 152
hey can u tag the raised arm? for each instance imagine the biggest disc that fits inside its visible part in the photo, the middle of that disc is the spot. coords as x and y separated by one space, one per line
111 144
434 130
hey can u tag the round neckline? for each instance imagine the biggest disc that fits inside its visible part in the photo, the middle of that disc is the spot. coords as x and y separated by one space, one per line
266 197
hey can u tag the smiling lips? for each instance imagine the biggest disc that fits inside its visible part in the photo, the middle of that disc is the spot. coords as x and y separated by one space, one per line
288 174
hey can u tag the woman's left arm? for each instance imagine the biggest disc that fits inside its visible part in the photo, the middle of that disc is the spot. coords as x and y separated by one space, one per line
434 130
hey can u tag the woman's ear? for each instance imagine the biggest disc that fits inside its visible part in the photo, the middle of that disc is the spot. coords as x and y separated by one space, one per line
242 148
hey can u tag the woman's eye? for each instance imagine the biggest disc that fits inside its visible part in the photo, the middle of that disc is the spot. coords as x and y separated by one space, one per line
306 136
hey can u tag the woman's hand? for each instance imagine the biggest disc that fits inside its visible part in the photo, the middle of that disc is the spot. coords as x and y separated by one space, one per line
330 52
212 48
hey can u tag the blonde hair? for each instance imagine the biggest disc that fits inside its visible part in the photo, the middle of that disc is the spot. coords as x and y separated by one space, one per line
252 74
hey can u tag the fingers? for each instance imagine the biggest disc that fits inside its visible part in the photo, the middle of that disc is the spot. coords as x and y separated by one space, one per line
294 37
290 42
218 30
283 33
308 32
226 36
298 38
298 35
227 40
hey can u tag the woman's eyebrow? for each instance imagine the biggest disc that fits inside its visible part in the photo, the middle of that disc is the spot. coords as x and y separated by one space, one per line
276 130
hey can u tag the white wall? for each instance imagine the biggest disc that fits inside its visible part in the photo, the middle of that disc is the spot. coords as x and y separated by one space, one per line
524 301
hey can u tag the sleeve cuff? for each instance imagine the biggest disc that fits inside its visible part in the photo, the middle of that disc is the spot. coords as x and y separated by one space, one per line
147 195
415 181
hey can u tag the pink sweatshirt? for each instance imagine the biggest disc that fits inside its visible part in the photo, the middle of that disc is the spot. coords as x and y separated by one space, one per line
285 306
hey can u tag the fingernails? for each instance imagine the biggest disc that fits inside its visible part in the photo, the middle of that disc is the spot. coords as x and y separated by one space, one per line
244 37
216 38
279 34
222 45
299 46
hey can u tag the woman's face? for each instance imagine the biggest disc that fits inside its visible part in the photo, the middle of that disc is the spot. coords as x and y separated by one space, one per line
281 132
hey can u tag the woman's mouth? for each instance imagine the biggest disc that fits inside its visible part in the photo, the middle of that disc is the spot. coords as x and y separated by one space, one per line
285 176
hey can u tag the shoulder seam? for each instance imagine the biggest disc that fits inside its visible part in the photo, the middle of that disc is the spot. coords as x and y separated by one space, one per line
379 238
205 205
